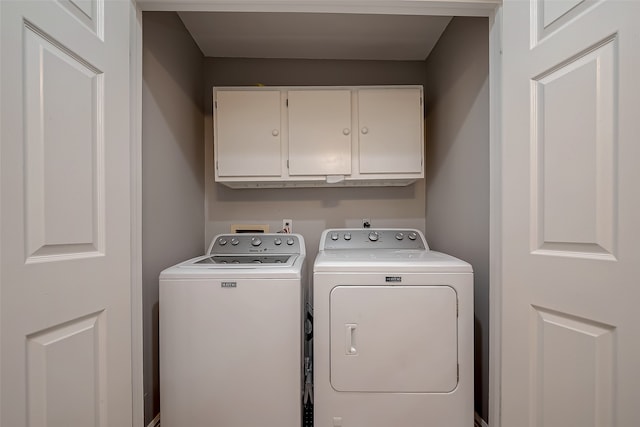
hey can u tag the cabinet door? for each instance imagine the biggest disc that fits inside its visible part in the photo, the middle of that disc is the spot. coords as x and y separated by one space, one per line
320 132
247 133
391 133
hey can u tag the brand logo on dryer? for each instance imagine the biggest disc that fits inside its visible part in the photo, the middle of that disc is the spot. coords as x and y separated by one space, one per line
393 279
229 284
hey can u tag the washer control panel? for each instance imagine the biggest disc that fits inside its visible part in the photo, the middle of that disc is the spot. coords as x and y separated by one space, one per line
372 238
251 243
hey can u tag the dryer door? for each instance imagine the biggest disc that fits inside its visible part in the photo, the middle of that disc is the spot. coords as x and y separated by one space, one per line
394 339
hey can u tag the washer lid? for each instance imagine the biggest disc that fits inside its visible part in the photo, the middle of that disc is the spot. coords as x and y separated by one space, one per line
205 267
245 255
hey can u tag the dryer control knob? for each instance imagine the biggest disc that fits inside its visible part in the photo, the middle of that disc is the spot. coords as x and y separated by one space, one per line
235 241
334 236
347 236
255 241
413 236
222 241
399 236
373 236
277 241
290 241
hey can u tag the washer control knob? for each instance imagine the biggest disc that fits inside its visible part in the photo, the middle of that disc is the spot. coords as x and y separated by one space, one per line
347 236
334 236
290 241
399 236
277 241
412 236
373 236
222 241
234 241
256 241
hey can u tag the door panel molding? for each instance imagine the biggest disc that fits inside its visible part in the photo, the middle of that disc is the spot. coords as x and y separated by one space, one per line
572 365
549 16
50 400
64 151
89 12
573 155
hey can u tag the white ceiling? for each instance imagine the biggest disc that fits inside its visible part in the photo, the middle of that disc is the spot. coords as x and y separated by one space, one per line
314 35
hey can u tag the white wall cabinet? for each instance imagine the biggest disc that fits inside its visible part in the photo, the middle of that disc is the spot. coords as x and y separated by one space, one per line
248 133
319 132
391 132
318 136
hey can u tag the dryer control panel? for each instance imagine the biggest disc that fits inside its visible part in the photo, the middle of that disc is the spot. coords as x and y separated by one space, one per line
373 238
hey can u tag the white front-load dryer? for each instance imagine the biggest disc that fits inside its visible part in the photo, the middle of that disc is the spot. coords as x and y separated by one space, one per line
230 336
393 332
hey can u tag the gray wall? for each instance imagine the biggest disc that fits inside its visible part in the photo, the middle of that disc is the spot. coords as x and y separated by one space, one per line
457 166
172 169
312 209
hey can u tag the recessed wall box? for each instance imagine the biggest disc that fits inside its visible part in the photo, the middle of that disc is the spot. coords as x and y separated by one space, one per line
250 228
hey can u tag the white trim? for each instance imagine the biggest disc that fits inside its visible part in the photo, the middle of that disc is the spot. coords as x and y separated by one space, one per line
135 94
495 216
479 422
488 8
390 7
156 421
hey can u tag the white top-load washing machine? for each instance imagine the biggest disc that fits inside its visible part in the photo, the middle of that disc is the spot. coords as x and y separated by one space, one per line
230 338
393 332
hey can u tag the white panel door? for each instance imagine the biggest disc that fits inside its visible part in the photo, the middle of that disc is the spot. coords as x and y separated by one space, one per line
571 213
390 130
65 214
395 339
319 132
247 136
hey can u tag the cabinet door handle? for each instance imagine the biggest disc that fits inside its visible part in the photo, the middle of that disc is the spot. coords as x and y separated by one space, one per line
346 131
365 130
275 132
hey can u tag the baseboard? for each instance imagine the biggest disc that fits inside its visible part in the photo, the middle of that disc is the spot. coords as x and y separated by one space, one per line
156 421
479 422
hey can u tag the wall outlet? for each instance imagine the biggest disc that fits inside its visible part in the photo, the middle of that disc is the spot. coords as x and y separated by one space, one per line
366 222
287 226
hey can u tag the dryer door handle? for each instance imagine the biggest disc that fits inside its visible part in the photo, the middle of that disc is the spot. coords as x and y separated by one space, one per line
350 339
